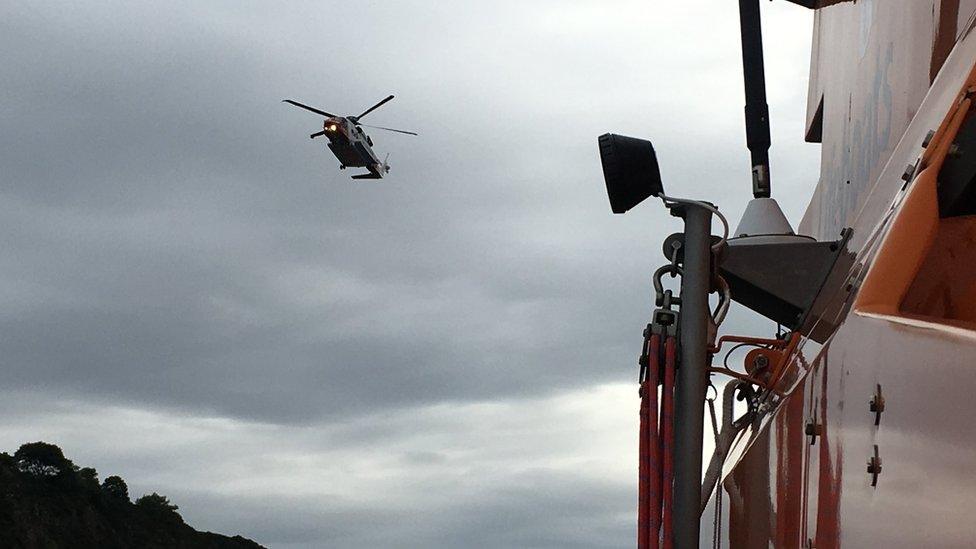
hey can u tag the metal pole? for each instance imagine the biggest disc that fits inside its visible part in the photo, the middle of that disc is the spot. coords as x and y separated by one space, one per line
757 111
691 378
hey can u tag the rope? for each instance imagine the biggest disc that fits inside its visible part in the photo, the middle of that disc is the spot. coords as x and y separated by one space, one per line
711 412
717 523
667 445
655 447
716 526
649 478
726 436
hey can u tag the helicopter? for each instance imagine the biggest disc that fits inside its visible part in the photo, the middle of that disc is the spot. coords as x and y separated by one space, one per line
349 143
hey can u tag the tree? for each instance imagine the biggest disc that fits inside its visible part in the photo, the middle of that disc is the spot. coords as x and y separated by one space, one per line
156 502
115 488
42 460
88 478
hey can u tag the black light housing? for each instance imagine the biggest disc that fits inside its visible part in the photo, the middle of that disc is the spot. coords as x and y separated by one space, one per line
630 170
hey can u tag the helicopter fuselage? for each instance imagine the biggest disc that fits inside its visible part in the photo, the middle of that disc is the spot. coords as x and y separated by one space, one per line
349 143
351 146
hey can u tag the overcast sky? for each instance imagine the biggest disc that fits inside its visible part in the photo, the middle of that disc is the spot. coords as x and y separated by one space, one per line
194 297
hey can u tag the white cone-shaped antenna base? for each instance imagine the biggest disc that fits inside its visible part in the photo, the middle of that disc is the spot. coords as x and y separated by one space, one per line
763 222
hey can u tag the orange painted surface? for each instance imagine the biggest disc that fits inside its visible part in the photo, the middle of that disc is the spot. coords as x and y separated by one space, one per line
789 472
908 323
945 291
903 250
829 482
914 227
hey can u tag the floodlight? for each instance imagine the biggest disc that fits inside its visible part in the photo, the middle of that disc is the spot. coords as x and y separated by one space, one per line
630 170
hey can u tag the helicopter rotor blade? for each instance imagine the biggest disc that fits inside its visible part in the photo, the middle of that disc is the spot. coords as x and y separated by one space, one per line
389 129
307 108
373 108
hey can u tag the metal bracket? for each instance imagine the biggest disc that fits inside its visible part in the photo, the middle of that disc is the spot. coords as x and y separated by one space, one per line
874 467
745 393
788 282
644 360
813 430
877 405
664 322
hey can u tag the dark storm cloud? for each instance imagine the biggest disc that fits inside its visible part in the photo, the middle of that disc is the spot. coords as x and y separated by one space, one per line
189 248
183 270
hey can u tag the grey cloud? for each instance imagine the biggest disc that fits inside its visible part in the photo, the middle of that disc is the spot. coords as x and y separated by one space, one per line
173 241
167 204
541 510
492 475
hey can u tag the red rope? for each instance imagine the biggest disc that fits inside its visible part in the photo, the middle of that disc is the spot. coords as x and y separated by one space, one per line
667 436
649 473
656 456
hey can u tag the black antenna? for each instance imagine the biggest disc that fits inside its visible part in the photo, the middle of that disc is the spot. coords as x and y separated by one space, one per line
757 111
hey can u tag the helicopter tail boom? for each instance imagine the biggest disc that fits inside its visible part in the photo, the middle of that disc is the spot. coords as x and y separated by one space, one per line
376 171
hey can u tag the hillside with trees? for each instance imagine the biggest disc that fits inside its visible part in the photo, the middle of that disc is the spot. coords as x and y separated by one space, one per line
48 501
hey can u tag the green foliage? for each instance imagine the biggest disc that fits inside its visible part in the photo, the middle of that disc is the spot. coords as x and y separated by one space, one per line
87 478
43 460
115 488
45 501
156 502
88 473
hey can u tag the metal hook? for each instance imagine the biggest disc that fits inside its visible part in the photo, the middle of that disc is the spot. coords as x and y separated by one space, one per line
712 387
724 300
672 269
675 248
744 392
